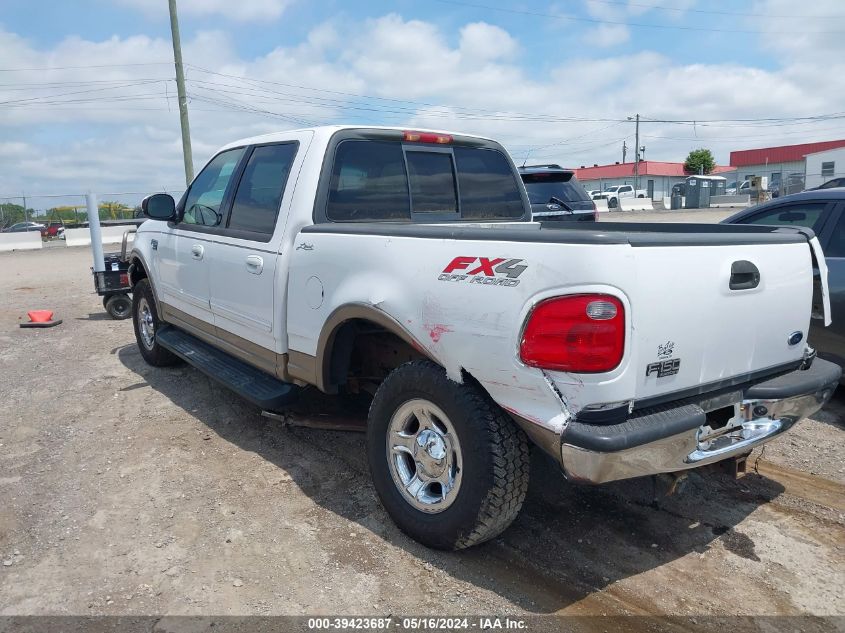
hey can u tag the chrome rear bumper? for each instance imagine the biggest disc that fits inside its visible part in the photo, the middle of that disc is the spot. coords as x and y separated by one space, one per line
637 447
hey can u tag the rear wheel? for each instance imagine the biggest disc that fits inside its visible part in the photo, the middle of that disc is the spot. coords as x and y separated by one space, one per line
449 466
146 323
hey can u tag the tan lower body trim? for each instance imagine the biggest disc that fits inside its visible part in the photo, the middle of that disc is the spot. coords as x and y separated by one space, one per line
264 359
302 367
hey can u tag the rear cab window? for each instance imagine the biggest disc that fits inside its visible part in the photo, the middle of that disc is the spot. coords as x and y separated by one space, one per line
391 180
542 187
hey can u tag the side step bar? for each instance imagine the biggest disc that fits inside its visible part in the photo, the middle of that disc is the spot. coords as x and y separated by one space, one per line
245 380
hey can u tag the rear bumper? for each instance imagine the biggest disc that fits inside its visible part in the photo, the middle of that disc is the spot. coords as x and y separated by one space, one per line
672 439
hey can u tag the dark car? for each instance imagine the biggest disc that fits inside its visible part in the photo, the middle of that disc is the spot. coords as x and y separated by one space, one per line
556 194
822 210
830 184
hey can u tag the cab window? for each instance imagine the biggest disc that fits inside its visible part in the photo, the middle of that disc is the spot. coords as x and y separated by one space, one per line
259 193
202 204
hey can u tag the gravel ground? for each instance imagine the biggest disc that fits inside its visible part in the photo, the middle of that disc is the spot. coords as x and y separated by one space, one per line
130 490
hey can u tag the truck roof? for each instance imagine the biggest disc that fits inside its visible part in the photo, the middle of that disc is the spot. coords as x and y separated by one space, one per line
326 131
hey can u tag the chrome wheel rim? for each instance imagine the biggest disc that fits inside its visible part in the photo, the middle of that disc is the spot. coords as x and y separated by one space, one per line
146 324
424 456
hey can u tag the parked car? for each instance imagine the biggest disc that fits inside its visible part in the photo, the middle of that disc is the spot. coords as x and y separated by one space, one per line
556 194
54 229
22 227
614 194
593 193
823 211
743 189
404 265
830 184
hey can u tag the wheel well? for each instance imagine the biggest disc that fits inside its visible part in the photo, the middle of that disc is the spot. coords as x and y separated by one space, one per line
362 354
138 271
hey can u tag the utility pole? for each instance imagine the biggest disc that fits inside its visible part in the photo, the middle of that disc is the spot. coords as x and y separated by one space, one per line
180 91
25 212
624 151
637 159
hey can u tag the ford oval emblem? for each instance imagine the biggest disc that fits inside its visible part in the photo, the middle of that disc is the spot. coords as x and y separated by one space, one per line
795 338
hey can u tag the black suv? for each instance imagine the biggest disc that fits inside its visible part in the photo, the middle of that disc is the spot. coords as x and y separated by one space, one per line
556 194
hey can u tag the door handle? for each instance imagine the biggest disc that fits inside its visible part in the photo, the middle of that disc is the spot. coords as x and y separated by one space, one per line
744 276
254 264
197 251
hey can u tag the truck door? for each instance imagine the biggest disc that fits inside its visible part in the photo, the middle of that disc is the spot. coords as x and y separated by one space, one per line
247 286
186 249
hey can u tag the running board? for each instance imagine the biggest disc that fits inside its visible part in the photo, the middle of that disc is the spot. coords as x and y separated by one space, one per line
245 380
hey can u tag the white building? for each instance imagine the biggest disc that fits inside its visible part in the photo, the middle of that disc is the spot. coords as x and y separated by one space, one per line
784 166
824 165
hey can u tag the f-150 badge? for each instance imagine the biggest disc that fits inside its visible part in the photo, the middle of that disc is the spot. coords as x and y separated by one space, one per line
666 365
487 271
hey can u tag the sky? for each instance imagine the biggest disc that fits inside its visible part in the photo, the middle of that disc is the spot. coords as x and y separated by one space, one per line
88 94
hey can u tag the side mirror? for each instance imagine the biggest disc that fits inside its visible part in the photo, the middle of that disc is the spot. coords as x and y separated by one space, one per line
159 206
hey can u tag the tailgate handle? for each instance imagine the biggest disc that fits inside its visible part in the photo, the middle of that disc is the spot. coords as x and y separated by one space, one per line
744 275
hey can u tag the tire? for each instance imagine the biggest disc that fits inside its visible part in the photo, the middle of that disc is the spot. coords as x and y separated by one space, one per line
119 306
612 203
462 437
144 311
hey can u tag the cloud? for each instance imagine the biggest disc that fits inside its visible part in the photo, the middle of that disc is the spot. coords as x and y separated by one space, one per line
606 35
117 128
241 10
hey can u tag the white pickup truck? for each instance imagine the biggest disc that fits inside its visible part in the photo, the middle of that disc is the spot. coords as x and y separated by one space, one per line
403 264
616 193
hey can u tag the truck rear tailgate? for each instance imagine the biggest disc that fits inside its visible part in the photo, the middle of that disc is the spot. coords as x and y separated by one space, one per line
701 314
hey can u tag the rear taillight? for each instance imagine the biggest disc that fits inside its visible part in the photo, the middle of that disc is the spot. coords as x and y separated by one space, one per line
427 137
577 333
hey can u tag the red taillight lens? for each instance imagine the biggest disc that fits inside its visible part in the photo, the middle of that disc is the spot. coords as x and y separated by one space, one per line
427 137
578 333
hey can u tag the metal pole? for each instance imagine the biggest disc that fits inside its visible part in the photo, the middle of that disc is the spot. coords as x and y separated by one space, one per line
624 151
25 212
180 91
96 235
637 159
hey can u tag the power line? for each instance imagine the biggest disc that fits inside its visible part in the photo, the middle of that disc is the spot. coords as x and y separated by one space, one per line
714 12
17 70
630 24
77 92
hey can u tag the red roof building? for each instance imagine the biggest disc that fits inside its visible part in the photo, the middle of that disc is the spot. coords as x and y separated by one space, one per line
647 168
781 154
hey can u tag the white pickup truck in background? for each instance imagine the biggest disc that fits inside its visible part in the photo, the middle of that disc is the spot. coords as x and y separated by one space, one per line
404 266
617 192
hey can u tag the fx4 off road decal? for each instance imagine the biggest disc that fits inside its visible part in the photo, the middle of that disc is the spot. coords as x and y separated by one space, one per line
487 271
666 366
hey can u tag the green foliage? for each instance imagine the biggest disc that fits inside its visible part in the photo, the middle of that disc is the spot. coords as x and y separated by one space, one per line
114 211
698 159
12 214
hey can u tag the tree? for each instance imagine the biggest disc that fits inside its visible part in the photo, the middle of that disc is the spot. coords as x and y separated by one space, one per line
699 161
13 213
114 210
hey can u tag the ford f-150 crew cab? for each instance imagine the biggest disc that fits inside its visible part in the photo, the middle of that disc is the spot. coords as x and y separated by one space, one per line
403 264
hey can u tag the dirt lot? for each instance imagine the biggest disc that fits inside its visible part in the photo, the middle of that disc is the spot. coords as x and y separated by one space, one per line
132 490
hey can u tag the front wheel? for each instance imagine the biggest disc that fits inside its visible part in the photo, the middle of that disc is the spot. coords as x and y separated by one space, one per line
146 323
449 466
612 203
